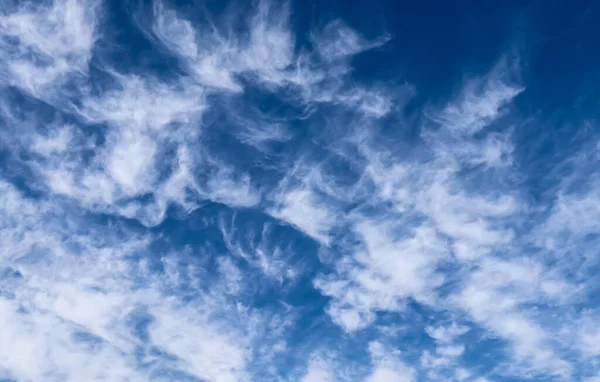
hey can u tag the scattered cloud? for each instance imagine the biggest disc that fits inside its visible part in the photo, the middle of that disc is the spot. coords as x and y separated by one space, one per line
249 214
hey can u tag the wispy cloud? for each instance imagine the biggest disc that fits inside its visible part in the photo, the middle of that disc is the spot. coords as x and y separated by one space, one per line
47 43
249 215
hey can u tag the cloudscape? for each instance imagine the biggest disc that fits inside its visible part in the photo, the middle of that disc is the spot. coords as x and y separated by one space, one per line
308 191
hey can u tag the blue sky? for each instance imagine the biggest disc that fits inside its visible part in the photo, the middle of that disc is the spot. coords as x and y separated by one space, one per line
304 191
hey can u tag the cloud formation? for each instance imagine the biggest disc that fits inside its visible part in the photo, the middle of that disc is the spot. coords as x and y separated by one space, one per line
256 209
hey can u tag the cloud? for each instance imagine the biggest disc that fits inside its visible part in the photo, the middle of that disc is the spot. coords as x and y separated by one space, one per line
202 349
80 315
589 341
261 247
389 271
262 212
61 327
338 41
44 348
479 104
300 208
317 373
215 57
43 44
445 221
149 128
446 355
446 334
269 56
388 367
494 297
451 223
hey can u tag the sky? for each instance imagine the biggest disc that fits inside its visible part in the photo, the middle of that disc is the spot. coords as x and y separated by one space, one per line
305 191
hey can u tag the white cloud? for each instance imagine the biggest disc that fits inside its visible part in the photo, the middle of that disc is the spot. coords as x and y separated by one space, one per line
146 120
388 366
301 208
69 313
446 334
387 272
43 348
54 300
268 56
495 295
462 374
384 374
458 224
338 41
56 143
588 336
574 215
52 41
202 348
447 353
216 58
260 247
317 373
261 134
431 200
480 103
438 222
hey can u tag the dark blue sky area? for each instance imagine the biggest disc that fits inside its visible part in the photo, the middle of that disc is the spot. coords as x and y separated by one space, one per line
436 43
